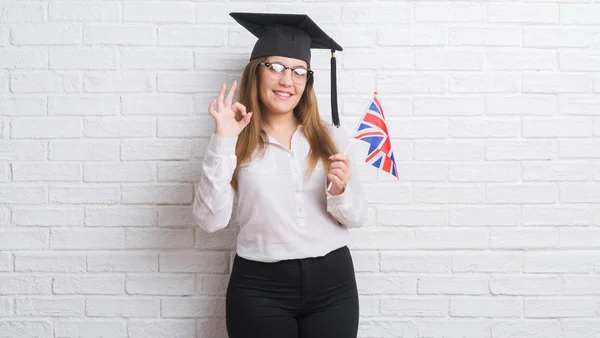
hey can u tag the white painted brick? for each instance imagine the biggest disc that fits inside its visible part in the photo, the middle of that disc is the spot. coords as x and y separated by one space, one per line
157 104
88 285
118 127
83 58
214 262
207 12
580 61
448 60
402 194
45 128
88 106
24 194
381 239
526 329
487 127
521 105
47 216
83 150
211 328
387 328
46 34
449 12
87 11
4 35
159 238
4 168
446 285
25 285
119 172
521 59
192 307
557 171
560 262
524 285
485 215
46 171
49 307
133 150
90 328
580 14
171 193
120 34
423 216
421 172
185 127
412 83
26 328
545 82
369 306
415 262
22 12
4 83
176 216
14 106
579 238
24 239
389 13
579 104
393 58
120 216
454 150
49 262
557 37
579 148
523 238
6 263
220 240
440 238
519 149
130 307
580 285
5 307
489 262
101 194
178 171
118 81
579 192
556 215
559 307
597 127
122 262
87 239
159 12
24 58
484 36
492 172
453 106
217 61
486 307
4 216
370 284
213 285
146 58
575 328
521 193
163 285
45 82
523 13
418 127
174 82
454 328
423 306
412 35
168 328
490 82
449 194
192 36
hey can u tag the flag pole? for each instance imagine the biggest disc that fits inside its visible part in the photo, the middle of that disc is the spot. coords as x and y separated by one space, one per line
350 141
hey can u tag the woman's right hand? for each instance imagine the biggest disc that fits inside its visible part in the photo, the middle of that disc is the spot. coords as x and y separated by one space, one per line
226 124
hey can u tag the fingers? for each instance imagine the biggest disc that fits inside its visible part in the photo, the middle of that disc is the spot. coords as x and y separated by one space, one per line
211 108
242 109
340 157
335 181
220 103
230 94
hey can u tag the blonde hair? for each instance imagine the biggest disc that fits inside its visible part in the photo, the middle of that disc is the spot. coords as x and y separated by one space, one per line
252 140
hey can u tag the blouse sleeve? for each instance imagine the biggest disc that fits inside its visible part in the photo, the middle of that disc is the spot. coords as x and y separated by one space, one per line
214 196
350 208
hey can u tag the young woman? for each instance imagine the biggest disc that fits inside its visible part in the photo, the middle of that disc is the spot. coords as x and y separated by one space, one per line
280 171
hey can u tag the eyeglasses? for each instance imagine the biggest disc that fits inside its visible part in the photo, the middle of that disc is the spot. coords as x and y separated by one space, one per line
299 73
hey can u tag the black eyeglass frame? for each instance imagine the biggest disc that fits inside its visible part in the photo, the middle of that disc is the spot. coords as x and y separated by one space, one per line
268 65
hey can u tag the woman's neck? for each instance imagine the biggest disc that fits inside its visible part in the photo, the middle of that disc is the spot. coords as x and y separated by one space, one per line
280 122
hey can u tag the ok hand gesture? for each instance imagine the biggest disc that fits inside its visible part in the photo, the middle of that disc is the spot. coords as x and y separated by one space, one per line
226 124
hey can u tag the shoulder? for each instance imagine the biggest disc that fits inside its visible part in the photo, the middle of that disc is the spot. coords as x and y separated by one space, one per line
339 134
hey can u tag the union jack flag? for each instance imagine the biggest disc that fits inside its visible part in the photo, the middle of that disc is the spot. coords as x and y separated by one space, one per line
373 130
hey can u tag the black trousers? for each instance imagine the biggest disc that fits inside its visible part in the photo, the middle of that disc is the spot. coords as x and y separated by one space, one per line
302 298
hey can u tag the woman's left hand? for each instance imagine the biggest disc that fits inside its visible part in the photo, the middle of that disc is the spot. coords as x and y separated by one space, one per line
339 173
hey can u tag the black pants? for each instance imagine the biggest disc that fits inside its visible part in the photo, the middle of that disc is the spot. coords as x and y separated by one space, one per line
312 297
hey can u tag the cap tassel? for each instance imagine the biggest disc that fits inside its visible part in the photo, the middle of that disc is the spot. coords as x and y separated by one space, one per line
334 106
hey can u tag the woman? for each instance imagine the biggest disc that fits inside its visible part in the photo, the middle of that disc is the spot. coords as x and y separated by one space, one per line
277 168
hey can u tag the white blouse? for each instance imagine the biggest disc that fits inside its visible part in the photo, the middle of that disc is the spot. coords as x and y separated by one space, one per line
282 214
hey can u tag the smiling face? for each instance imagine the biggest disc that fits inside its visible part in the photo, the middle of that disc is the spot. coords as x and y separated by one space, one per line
280 96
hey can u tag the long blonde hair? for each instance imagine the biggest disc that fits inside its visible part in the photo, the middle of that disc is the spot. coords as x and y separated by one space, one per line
252 140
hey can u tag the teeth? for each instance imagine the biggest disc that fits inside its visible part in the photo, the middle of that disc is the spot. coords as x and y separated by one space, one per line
282 94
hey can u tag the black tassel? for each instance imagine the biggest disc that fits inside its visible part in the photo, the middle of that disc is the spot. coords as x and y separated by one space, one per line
335 118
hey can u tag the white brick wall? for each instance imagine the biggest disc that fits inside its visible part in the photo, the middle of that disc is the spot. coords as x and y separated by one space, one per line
494 110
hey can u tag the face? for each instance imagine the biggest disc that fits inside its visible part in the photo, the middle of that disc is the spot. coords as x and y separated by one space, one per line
280 94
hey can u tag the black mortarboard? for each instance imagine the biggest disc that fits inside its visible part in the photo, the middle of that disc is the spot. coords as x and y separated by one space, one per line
290 35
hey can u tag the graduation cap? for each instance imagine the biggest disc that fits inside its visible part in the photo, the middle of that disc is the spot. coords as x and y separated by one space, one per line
293 36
